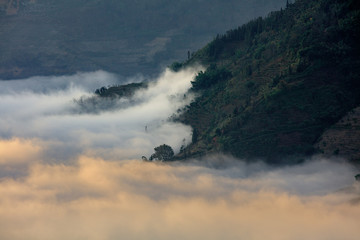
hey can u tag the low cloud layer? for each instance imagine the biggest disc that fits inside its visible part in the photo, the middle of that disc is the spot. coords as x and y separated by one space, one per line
130 199
46 85
51 115
71 175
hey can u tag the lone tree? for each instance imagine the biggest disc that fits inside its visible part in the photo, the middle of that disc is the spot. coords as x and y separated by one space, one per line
162 153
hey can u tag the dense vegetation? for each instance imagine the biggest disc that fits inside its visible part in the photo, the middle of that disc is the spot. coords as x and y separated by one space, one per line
275 84
210 77
162 153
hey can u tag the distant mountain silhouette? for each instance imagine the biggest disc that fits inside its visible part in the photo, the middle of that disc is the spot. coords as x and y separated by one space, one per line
52 37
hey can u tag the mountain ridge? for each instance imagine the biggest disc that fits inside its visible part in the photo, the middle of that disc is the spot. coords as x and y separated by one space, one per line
276 86
294 75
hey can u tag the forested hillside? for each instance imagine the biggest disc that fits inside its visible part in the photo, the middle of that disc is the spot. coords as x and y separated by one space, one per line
274 85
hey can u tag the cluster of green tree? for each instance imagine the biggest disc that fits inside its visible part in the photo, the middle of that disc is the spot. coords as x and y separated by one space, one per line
120 91
176 66
162 153
324 33
284 80
211 76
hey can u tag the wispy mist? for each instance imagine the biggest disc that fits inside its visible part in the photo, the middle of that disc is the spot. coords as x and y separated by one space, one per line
45 85
50 114
70 174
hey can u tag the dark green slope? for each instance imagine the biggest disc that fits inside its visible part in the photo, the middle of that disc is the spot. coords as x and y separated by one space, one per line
274 85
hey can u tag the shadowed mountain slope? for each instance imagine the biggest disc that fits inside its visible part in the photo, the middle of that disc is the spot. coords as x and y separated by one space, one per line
275 84
280 88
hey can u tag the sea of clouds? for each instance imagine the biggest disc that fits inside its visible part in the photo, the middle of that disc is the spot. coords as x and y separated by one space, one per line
66 173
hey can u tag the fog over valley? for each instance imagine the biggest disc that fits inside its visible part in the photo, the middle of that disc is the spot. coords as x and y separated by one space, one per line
66 174
54 115
135 119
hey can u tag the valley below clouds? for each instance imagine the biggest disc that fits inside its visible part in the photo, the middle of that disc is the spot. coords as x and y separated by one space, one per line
72 174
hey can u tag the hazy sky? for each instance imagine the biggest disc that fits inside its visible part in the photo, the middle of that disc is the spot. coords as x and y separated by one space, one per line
122 36
70 174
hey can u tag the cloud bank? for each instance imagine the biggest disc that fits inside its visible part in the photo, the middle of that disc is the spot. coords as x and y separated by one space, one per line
50 114
65 174
129 199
